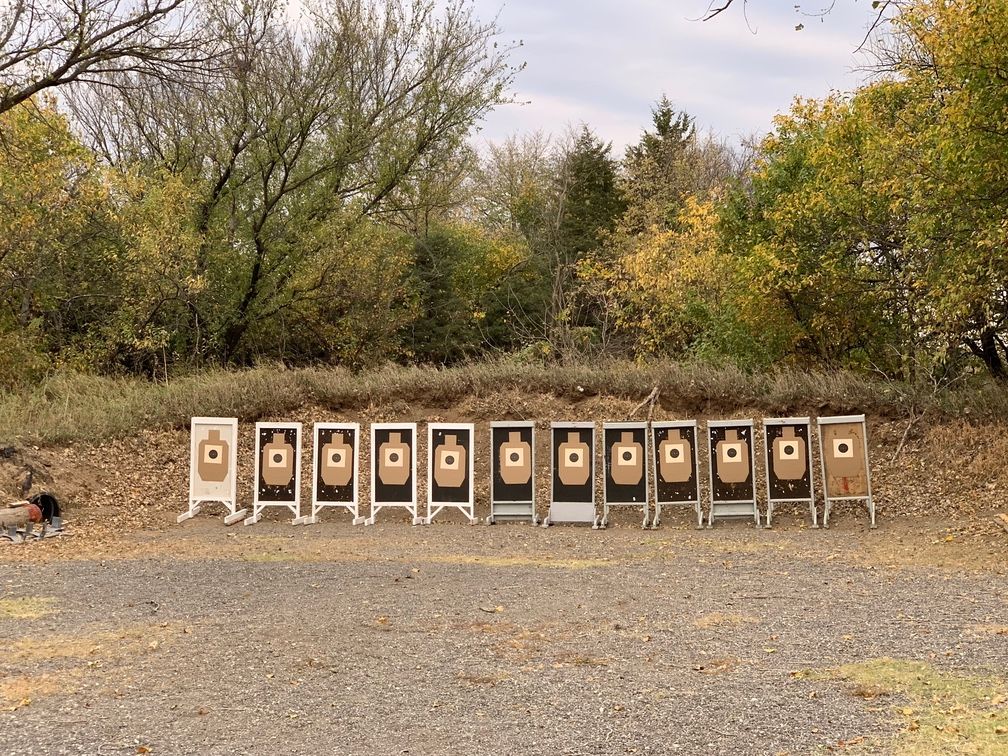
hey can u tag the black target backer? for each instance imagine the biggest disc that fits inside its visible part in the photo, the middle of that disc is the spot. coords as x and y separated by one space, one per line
336 468
393 469
625 466
512 470
572 497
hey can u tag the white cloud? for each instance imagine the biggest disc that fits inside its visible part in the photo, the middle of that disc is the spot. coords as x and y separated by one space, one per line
608 61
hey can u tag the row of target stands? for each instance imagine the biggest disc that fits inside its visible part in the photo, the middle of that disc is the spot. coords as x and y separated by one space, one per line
633 454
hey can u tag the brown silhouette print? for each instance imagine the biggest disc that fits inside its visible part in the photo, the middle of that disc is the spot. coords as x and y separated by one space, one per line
573 468
674 457
277 468
789 457
393 461
450 463
626 461
515 460
212 458
337 461
732 458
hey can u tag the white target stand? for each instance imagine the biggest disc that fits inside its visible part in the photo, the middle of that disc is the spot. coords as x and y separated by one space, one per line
845 469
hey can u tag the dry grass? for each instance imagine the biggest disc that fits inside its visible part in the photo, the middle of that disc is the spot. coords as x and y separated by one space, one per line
17 691
721 619
26 607
69 407
938 712
96 644
516 561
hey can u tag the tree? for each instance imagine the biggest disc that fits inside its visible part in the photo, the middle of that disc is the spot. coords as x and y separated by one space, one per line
304 134
46 44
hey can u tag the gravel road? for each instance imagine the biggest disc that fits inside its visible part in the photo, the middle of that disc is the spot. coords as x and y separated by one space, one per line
478 640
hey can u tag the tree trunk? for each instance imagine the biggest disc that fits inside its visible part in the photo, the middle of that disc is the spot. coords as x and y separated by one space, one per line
987 351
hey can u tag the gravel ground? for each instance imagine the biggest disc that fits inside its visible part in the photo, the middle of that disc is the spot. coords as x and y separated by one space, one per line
457 639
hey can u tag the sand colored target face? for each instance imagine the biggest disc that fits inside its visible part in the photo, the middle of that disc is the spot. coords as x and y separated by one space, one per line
732 458
277 462
844 459
624 455
212 459
574 465
514 459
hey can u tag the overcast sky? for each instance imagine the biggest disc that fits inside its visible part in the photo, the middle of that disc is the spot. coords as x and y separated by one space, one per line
606 62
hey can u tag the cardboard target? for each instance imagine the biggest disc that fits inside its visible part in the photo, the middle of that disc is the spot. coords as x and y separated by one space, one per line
731 461
845 459
788 459
213 458
512 470
278 463
572 497
336 468
393 464
450 468
624 454
674 450
213 466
